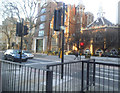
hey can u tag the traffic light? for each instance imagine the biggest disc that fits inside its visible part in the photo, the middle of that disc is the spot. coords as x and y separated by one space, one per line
19 27
81 44
25 30
57 19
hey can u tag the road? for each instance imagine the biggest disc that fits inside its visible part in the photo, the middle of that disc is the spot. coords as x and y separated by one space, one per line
106 78
44 59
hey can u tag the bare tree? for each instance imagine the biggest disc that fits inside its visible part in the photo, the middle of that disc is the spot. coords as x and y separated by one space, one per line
27 9
9 31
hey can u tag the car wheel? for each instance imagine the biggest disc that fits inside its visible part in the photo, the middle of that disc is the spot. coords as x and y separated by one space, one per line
5 58
12 59
25 60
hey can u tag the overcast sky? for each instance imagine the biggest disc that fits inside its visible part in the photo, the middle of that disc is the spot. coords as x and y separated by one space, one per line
109 7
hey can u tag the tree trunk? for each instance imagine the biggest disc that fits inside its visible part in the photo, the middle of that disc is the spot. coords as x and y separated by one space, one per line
8 47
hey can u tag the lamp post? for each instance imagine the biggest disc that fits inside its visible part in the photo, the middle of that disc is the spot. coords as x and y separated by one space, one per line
21 41
62 60
58 27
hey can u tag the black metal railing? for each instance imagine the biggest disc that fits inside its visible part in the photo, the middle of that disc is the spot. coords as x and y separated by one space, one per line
83 76
107 77
86 76
76 75
18 77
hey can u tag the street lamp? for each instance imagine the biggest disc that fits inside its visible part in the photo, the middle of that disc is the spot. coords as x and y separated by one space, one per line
58 27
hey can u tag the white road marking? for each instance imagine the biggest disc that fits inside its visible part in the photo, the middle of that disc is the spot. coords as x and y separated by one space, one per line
107 73
106 78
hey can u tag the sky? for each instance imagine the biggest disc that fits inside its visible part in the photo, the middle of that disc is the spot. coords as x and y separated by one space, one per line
108 6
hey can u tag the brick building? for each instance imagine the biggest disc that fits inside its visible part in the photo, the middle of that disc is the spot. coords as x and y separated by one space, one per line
100 36
42 32
46 39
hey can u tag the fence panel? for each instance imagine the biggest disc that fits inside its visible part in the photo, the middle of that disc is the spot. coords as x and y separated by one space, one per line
17 77
107 77
86 76
74 76
81 76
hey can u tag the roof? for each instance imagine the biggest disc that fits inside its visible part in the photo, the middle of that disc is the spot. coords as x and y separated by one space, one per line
101 21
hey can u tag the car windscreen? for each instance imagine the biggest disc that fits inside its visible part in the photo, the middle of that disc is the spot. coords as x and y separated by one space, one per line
16 51
26 51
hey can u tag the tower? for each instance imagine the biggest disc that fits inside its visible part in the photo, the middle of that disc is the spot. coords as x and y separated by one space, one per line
100 11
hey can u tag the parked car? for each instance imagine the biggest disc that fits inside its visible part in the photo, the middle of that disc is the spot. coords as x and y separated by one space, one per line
106 54
109 54
112 54
14 55
28 53
87 51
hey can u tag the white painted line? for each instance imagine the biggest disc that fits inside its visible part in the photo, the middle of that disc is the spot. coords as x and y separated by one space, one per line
105 70
32 63
107 73
106 78
100 86
45 59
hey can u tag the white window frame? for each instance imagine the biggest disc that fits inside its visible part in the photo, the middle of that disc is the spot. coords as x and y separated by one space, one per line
43 18
41 33
42 26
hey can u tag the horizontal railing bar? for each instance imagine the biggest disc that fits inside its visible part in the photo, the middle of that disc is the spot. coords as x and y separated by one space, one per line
85 61
107 64
54 64
9 62
6 61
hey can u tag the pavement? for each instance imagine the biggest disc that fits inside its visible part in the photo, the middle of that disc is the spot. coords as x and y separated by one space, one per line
69 58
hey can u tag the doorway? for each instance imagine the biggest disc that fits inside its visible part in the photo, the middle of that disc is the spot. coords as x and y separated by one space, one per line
39 45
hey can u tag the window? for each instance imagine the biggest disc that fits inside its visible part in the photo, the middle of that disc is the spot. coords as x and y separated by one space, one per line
42 26
43 10
43 17
65 18
41 33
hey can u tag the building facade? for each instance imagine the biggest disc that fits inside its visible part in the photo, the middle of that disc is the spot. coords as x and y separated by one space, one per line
100 36
42 31
46 39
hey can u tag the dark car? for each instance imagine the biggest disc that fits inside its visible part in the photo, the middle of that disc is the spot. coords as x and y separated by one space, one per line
106 54
14 55
110 54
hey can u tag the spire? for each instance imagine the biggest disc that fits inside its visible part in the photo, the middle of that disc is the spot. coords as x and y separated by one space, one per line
80 2
100 11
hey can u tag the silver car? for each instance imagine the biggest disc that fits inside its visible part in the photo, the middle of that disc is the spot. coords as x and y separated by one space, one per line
28 53
14 55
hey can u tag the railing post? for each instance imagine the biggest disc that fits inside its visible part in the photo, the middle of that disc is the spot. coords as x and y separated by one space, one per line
119 76
49 79
82 80
94 72
0 76
87 75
